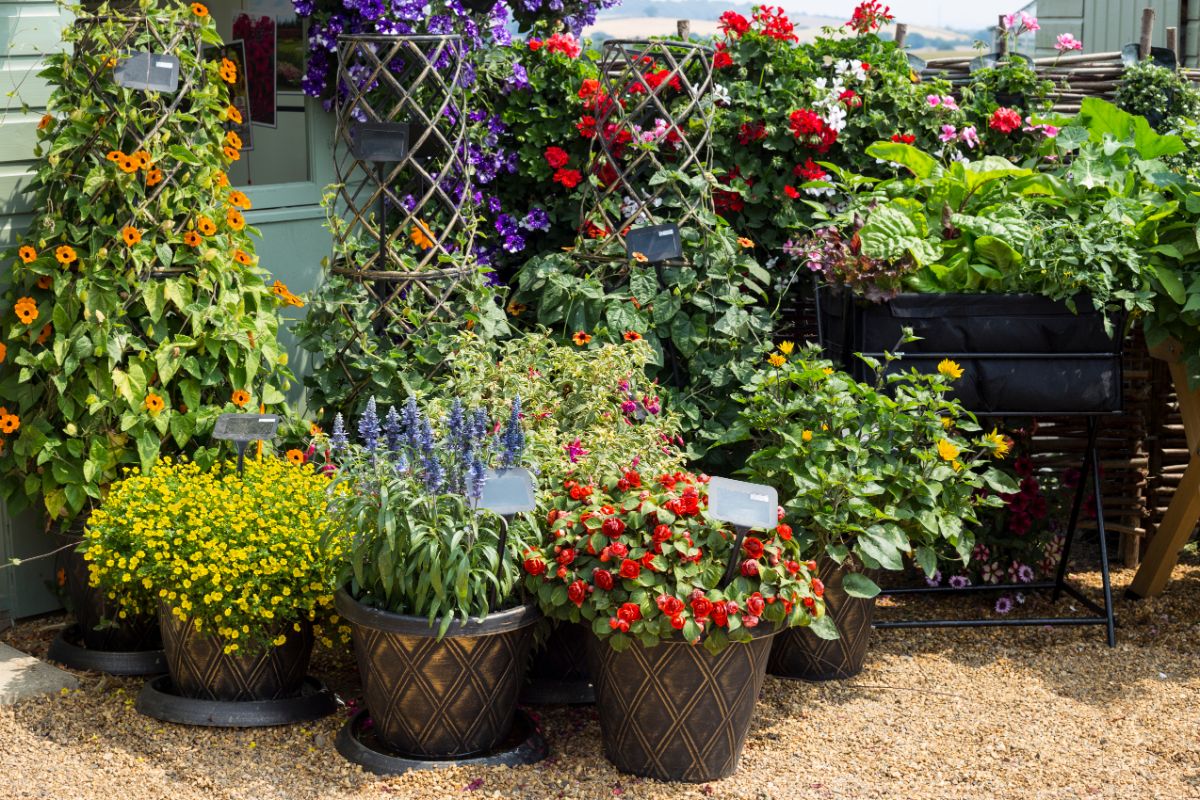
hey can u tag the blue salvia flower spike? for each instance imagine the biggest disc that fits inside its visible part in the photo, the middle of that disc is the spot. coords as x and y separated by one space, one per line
393 431
338 441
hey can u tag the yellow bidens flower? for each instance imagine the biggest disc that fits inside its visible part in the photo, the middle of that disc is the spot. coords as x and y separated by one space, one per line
806 436
787 347
950 369
947 450
153 403
998 442
777 360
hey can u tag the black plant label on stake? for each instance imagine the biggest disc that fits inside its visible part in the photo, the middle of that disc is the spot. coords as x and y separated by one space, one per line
656 243
149 72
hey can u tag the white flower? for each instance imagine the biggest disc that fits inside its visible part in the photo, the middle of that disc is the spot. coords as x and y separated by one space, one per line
820 83
721 96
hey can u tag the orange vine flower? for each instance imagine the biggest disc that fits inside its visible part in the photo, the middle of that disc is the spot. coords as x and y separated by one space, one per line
231 153
154 177
65 254
45 334
199 9
632 336
26 309
45 282
313 430
222 180
233 140
9 423
128 164
131 236
235 219
240 398
580 338
144 159
239 200
153 403
191 239
45 122
421 236
233 115
242 257
228 71
640 257
27 254
3 352
115 156
296 457
206 226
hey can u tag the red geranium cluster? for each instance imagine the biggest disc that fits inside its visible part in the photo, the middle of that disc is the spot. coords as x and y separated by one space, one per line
1005 120
770 21
870 16
563 43
903 138
752 132
721 58
557 158
811 130
641 558
727 200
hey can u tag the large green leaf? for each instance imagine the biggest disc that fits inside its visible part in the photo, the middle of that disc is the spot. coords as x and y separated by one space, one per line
998 253
890 234
918 162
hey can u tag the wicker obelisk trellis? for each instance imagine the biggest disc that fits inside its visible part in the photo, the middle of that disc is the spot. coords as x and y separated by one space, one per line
403 223
98 52
649 85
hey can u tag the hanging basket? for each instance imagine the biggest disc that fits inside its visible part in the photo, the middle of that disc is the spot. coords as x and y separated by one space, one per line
657 89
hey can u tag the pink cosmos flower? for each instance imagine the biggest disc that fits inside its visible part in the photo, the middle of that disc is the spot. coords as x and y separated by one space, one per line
1067 42
949 133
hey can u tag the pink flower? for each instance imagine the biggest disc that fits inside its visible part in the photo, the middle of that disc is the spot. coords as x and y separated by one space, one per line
1029 22
575 450
933 100
949 133
969 136
949 102
1067 42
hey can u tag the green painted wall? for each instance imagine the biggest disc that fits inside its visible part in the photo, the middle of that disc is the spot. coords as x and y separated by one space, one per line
1106 25
289 216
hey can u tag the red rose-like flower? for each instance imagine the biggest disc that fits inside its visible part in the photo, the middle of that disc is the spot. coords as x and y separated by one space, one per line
669 605
677 623
647 560
750 568
565 556
662 533
603 579
634 479
613 527
792 567
1004 120
720 614
755 604
619 550
753 547
818 587
701 607
535 566
556 157
784 531
577 593
630 569
569 178
629 612
735 23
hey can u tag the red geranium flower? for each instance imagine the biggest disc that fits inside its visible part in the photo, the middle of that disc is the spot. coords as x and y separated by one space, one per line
722 59
586 126
750 568
811 130
569 178
556 157
810 171
752 132
1005 120
791 192
629 612
775 24
903 138
589 88
535 44
735 23
565 556
784 531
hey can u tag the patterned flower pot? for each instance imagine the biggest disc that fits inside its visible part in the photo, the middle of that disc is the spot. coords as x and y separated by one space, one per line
800 653
558 671
200 668
91 607
437 698
676 712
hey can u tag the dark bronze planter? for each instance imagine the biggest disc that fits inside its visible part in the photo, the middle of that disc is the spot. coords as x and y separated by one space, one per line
92 608
558 671
676 712
201 669
801 654
447 698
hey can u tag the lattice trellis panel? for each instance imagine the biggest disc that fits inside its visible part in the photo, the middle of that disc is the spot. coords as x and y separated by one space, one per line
654 114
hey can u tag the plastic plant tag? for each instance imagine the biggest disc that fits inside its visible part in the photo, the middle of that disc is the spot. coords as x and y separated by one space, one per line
507 492
150 72
657 243
379 141
741 504
245 427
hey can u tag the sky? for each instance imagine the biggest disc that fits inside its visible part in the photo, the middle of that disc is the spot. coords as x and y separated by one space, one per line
968 15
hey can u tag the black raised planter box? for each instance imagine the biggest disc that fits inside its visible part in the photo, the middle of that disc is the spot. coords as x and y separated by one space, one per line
1021 354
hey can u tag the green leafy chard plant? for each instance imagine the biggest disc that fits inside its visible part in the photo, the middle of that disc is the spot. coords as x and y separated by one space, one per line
413 539
870 474
135 313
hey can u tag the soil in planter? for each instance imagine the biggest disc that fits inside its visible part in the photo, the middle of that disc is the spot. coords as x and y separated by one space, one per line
676 712
799 653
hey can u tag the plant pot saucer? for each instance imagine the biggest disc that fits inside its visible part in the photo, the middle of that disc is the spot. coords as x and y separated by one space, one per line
524 745
159 700
68 649
548 692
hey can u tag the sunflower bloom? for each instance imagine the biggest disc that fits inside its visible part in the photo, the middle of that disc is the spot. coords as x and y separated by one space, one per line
206 226
27 254
131 235
946 450
950 369
233 115
65 254
998 442
295 457
787 347
239 200
947 422
240 398
235 219
777 359
580 338
153 403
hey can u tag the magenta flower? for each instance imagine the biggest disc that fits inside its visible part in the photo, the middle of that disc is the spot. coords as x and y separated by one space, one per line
1066 42
949 133
933 100
575 450
969 136
949 102
652 404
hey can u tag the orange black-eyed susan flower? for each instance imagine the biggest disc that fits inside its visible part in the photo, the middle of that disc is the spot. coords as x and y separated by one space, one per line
3 352
65 254
295 457
314 430
222 180
242 257
233 140
232 153
115 156
744 242
154 176
233 115
26 309
421 236
191 239
228 71
516 309
206 226
45 282
632 336
143 159
235 219
45 122
580 338
128 164
280 289
44 336
295 302
27 254
153 403
239 200
9 423
199 9
131 235
240 398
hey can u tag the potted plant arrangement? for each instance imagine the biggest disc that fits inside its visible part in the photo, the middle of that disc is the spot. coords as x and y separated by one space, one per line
108 357
871 475
233 564
430 581
681 617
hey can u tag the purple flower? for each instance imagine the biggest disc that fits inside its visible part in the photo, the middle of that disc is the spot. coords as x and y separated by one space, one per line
536 220
1004 604
393 431
935 579
519 79
368 426
1025 573
512 441
960 581
575 450
338 439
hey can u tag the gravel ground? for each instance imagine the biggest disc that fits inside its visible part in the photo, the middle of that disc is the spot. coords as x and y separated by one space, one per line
1019 713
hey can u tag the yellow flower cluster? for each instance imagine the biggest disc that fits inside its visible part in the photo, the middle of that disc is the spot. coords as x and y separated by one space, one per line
241 555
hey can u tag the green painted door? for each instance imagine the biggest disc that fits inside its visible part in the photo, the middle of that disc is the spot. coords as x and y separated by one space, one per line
284 172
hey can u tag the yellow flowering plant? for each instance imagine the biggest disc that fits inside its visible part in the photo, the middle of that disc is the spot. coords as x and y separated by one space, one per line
870 474
239 554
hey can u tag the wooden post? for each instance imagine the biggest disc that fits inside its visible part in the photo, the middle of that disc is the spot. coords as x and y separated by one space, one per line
1147 32
1184 510
1173 42
684 26
901 34
1001 37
